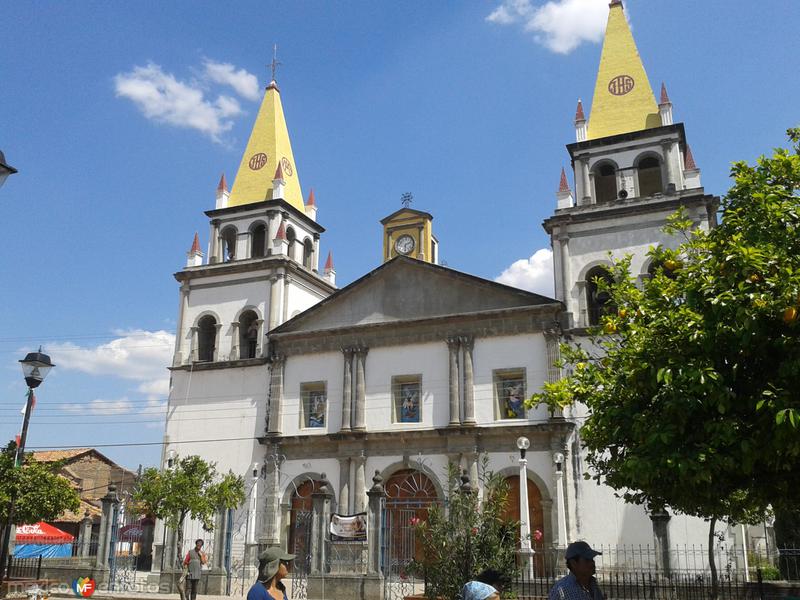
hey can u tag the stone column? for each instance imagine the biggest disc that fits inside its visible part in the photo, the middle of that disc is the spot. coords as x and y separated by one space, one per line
213 251
347 389
193 344
85 535
660 519
552 341
376 496
455 414
587 182
344 485
217 340
235 354
315 255
270 533
360 416
359 487
218 575
467 344
275 297
321 505
109 502
276 394
259 342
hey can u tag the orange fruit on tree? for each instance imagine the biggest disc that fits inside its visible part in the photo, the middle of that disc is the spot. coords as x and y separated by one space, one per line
790 315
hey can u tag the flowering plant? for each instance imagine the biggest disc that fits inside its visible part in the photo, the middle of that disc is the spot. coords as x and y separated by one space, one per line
466 536
537 535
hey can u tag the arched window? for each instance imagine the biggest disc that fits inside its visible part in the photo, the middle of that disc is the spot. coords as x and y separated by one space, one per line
248 334
598 302
605 183
291 237
258 241
228 236
308 253
300 516
650 181
206 338
409 495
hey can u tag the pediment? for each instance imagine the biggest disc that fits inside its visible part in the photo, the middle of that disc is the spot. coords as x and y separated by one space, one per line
405 289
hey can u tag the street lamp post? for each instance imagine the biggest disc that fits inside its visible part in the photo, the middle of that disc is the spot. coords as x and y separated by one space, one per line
35 367
558 461
5 169
524 512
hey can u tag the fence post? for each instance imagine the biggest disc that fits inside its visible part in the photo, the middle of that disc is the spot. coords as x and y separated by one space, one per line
85 535
660 519
376 495
109 501
39 567
760 583
321 506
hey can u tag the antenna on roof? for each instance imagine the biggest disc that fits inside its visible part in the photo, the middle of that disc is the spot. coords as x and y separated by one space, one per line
406 199
274 64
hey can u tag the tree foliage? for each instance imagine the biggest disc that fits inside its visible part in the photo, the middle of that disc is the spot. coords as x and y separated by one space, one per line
693 382
191 488
41 494
466 536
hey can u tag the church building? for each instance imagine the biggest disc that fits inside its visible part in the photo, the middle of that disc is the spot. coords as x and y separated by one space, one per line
415 366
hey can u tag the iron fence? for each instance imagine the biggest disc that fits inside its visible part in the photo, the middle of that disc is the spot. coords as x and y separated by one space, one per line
346 557
24 568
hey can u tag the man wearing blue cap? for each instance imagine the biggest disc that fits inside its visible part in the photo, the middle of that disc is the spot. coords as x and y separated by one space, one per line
580 584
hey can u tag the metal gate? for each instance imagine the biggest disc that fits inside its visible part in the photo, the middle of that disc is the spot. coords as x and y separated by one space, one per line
303 548
130 547
397 553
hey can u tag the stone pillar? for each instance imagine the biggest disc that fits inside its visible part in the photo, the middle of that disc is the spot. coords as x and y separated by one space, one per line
660 519
468 343
193 344
275 297
552 341
270 533
218 575
235 354
217 340
586 182
347 389
666 148
109 502
376 496
359 423
453 345
276 394
321 505
214 250
85 535
359 487
344 485
259 342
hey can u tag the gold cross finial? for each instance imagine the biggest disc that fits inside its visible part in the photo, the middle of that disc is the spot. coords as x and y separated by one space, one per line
274 64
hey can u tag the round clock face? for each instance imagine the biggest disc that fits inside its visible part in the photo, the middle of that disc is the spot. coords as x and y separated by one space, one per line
404 244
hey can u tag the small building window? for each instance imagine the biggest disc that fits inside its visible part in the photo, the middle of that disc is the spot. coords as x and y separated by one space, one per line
206 338
228 238
308 253
248 334
406 398
650 181
314 404
598 302
258 241
605 183
509 386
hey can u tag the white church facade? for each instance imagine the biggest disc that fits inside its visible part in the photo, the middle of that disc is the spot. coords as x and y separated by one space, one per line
415 366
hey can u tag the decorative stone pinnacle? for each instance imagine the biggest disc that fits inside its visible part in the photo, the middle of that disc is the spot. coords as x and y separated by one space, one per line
563 185
579 116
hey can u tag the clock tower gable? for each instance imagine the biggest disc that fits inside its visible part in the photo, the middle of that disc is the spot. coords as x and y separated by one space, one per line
409 232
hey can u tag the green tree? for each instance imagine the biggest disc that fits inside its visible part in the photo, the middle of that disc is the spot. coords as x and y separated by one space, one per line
693 382
192 488
40 493
466 537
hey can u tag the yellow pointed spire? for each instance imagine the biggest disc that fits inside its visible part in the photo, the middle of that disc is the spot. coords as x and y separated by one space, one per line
269 146
623 99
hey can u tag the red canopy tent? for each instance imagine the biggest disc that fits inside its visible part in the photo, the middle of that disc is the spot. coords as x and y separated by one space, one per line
42 533
41 539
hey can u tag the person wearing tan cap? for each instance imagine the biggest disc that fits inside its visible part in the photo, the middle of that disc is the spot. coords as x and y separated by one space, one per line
580 584
272 567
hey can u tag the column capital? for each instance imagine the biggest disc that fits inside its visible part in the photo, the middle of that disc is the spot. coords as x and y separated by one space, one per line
277 359
348 352
467 341
361 351
453 342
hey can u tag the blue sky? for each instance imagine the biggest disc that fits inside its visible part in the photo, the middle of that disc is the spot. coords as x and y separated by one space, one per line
121 116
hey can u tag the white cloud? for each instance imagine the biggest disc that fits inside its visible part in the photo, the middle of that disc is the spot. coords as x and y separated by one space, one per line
534 274
137 355
244 83
162 98
559 25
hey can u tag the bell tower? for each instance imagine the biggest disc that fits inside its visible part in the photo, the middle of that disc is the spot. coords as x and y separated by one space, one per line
632 168
409 232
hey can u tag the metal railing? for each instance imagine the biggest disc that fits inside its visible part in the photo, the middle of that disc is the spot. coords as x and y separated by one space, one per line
24 568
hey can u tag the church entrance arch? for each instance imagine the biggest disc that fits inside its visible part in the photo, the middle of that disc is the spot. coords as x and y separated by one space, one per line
300 519
409 495
535 516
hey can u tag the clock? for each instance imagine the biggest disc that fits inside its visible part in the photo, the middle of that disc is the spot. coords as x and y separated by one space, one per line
404 244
